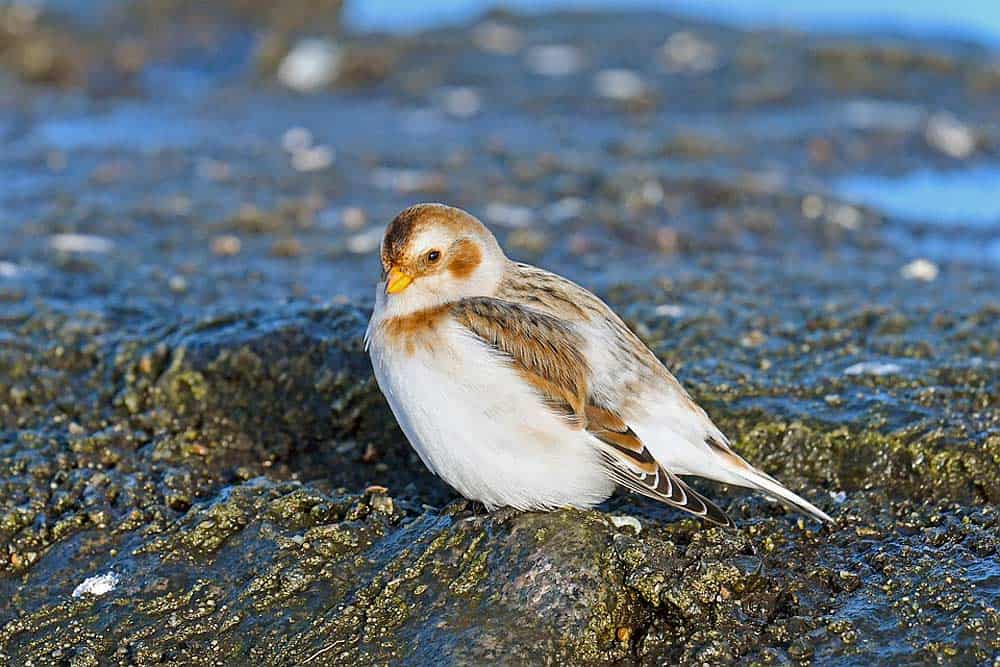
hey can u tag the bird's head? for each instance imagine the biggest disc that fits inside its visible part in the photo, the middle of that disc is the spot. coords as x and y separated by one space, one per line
434 254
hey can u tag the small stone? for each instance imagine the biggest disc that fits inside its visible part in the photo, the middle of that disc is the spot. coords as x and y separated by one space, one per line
214 170
315 158
407 180
669 310
461 102
286 248
365 242
651 193
226 245
812 207
755 338
353 217
619 84
950 136
296 139
381 503
667 240
311 65
624 520
872 368
493 37
81 243
567 208
508 215
97 586
845 216
554 60
920 269
10 270
529 240
177 284
687 52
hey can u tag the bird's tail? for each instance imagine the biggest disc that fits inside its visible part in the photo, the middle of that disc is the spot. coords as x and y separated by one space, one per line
741 473
770 486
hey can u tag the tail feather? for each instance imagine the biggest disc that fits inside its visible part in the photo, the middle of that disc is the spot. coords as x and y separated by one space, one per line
741 473
770 487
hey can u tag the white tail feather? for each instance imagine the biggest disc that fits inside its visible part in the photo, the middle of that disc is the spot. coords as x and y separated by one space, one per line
767 484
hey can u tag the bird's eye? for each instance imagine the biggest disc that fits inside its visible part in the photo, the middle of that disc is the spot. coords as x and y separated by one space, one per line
433 256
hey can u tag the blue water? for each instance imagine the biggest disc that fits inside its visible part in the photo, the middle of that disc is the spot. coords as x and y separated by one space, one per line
975 19
967 197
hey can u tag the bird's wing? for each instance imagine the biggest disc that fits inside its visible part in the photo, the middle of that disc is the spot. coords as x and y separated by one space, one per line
545 350
548 353
631 464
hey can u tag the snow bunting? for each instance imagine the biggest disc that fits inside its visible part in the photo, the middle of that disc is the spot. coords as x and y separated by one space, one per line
520 388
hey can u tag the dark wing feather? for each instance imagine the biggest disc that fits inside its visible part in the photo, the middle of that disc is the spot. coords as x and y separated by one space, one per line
631 464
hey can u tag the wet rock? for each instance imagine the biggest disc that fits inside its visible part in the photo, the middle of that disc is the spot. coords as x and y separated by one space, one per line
222 449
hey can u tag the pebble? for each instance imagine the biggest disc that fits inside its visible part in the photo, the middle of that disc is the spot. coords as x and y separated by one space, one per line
844 215
920 269
950 136
669 310
565 209
311 65
873 368
630 521
98 585
226 245
461 102
10 270
365 242
315 158
296 139
812 207
177 284
84 243
687 52
527 239
493 37
286 248
667 239
554 60
508 215
406 180
651 193
353 217
618 84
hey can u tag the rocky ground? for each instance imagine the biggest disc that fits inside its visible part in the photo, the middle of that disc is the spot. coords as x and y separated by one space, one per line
197 468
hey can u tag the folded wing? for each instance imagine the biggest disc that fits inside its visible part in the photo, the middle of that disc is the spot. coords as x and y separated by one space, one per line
548 353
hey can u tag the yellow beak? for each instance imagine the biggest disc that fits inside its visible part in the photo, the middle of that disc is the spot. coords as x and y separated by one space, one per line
397 281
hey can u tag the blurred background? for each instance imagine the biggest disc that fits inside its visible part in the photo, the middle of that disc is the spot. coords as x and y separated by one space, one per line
797 205
278 140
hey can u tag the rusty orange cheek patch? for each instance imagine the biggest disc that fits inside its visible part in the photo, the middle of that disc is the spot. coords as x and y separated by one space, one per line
464 259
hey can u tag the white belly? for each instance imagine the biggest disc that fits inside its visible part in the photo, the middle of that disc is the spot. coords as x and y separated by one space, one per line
478 425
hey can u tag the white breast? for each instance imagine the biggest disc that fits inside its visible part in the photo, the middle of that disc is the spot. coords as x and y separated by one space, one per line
480 427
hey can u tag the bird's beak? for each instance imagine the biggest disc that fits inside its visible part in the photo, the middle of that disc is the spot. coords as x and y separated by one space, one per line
397 281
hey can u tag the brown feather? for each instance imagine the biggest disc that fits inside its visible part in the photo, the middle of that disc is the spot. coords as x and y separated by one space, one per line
543 349
464 257
415 329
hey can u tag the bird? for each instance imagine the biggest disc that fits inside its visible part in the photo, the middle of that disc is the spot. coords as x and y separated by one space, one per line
521 389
